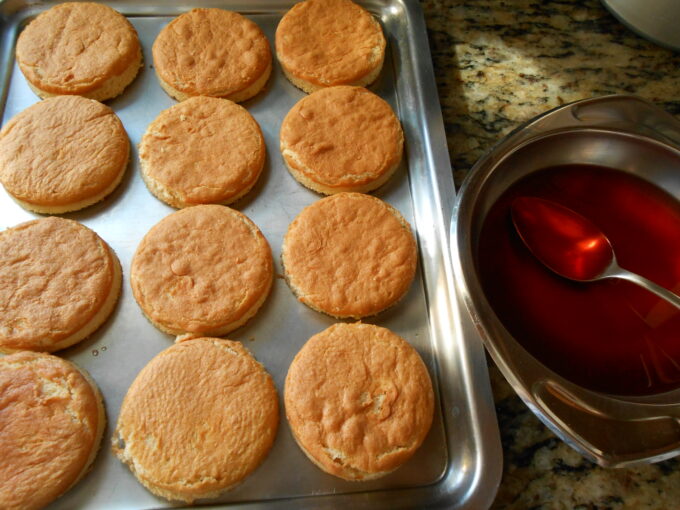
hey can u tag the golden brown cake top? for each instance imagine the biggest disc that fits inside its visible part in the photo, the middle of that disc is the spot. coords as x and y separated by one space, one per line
349 255
211 52
204 150
372 401
342 136
75 47
49 418
198 418
201 268
329 42
62 150
55 275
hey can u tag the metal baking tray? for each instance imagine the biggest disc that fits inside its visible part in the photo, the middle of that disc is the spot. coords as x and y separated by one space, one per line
459 464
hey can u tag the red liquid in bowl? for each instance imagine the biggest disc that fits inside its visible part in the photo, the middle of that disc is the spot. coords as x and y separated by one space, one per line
610 336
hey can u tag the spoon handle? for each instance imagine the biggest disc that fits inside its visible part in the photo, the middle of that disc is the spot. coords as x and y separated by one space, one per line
660 291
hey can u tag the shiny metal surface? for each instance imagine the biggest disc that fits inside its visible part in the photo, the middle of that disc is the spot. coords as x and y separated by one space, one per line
620 132
572 246
656 20
616 271
459 464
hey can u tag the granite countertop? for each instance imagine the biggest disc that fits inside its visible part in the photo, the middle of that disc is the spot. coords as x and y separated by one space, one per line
497 64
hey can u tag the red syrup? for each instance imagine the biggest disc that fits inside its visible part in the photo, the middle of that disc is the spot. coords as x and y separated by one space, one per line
610 336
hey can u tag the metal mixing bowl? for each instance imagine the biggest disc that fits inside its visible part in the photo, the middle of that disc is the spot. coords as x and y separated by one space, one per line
622 132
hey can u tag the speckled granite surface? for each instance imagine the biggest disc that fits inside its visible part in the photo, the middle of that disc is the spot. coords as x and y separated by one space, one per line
497 64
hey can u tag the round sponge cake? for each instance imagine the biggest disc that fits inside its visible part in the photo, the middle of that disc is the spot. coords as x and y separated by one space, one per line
212 52
59 281
79 48
52 420
341 139
322 43
372 401
203 150
63 154
349 255
198 419
205 269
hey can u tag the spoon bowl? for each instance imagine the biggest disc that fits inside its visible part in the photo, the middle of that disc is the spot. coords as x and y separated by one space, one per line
571 245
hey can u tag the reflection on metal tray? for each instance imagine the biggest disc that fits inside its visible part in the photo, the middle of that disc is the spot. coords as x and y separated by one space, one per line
458 466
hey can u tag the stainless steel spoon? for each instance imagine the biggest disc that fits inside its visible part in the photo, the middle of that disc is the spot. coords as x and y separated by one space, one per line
573 246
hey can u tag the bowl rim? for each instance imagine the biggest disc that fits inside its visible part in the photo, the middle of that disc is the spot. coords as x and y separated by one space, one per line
535 383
